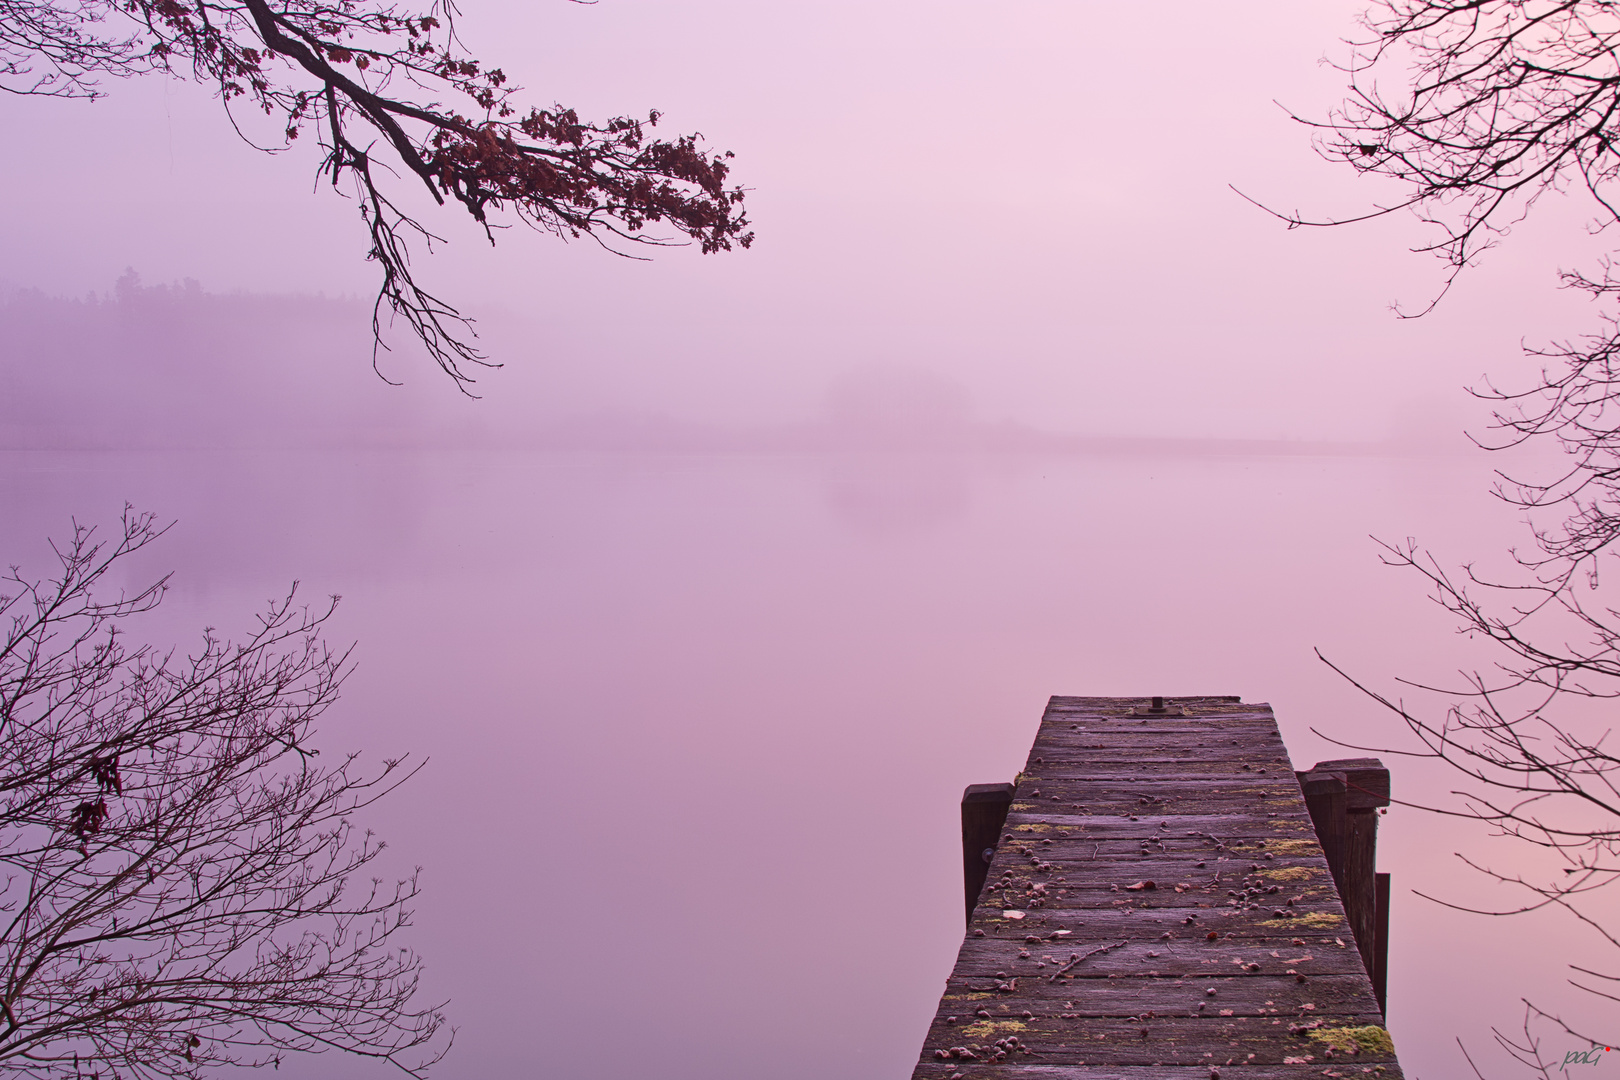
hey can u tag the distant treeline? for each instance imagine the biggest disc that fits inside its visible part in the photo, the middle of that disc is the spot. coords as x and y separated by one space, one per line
174 365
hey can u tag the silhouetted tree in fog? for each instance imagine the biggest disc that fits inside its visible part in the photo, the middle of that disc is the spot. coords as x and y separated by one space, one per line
369 81
178 865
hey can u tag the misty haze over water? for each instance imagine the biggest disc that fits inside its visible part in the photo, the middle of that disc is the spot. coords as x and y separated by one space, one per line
174 366
700 698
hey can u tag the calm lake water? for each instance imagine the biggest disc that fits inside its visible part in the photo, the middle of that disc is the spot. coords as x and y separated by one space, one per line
698 724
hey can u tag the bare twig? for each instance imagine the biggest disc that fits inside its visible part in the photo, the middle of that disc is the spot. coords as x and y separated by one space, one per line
1075 959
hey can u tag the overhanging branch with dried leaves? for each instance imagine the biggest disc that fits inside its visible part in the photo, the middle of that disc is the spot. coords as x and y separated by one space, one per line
369 78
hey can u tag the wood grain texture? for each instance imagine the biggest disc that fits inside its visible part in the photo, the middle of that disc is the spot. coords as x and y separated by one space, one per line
1215 1067
1157 908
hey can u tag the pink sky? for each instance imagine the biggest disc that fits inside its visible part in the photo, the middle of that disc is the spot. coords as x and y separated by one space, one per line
1030 202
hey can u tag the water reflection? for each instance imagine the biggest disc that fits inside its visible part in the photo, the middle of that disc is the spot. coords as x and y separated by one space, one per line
900 494
698 723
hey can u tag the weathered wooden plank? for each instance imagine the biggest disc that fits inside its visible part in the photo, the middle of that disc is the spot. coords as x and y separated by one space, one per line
1130 806
1187 785
1104 994
1048 1035
1158 906
1211 1069
1161 814
1152 1038
1191 955
1162 738
1212 724
1127 804
1190 785
1060 741
1257 841
1049 897
1087 854
1250 819
1096 782
1159 741
1086 795
1111 924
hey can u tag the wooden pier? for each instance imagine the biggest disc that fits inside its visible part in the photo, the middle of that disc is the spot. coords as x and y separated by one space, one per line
1157 905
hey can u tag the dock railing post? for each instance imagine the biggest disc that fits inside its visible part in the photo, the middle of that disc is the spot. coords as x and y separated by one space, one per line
1343 797
1380 972
1324 798
984 812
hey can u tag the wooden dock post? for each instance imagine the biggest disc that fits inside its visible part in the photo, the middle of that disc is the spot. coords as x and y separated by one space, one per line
984 811
1347 826
1380 971
1324 798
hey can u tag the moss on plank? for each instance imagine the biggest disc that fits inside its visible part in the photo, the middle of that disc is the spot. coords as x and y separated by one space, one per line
1371 1039
1316 920
1321 918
